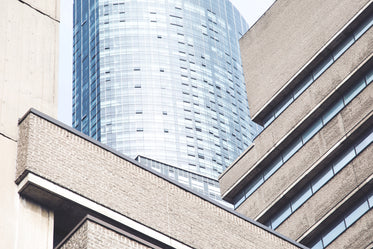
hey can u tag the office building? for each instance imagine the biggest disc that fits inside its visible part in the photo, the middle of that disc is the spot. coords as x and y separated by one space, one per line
309 173
162 79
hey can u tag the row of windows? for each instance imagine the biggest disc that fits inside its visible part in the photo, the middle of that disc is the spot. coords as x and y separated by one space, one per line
347 220
208 186
321 179
320 68
118 90
290 150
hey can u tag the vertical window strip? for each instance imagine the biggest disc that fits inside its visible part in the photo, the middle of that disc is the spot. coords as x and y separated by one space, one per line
290 150
321 179
318 71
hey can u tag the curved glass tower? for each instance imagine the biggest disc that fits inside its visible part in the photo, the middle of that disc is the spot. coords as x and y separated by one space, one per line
162 79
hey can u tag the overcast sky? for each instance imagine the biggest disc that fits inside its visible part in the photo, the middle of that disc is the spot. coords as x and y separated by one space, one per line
251 10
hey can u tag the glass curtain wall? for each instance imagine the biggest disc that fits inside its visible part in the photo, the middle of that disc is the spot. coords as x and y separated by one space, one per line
163 79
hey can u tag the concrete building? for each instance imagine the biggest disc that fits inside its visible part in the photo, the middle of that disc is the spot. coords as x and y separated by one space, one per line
28 77
309 174
61 189
163 79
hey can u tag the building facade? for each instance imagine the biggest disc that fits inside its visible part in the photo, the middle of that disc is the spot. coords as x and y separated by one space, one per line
61 189
162 79
309 173
98 198
28 77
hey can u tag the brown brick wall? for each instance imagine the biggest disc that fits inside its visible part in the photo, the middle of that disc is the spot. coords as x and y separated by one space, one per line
89 170
91 235
79 240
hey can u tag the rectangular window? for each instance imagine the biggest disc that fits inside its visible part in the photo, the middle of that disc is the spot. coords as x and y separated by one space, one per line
302 86
283 105
332 111
312 130
322 67
344 160
369 77
290 150
301 198
357 213
272 168
364 27
354 92
364 143
343 47
282 215
254 186
322 179
334 233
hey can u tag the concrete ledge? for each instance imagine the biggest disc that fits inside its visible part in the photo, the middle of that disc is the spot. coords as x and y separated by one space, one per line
52 195
250 164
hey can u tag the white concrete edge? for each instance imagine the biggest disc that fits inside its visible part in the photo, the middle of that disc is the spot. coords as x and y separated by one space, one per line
311 60
33 179
358 188
237 159
318 106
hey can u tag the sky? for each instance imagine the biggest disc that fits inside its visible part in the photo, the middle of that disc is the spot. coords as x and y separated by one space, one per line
251 10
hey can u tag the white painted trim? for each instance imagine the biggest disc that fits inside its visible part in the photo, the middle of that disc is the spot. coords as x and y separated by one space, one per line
33 179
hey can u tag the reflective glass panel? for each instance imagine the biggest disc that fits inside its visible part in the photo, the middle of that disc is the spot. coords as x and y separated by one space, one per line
370 200
332 111
334 233
364 27
318 182
369 77
282 215
343 160
355 90
301 198
256 184
272 168
322 67
318 245
283 105
312 130
357 213
290 150
343 47
364 142
302 86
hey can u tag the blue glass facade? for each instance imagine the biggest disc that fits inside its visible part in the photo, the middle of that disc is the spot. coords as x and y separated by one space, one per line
162 79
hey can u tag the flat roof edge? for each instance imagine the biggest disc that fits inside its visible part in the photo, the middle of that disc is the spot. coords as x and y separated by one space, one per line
107 148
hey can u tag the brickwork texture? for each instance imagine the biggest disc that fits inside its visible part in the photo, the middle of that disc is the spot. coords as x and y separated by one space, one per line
79 165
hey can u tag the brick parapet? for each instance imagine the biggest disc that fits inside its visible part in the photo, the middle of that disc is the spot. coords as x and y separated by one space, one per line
70 160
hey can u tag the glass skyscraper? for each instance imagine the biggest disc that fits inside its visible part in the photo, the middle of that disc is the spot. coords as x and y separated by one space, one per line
162 79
